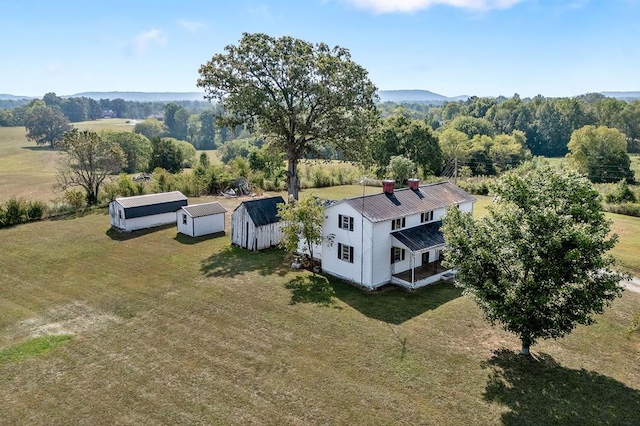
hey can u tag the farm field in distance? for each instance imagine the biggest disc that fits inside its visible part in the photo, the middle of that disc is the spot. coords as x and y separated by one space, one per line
162 328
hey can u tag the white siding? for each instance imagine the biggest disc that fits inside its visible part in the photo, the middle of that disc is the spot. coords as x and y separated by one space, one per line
117 219
246 235
199 226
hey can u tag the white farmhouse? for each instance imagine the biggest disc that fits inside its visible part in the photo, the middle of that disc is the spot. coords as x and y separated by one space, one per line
390 237
145 211
255 224
201 219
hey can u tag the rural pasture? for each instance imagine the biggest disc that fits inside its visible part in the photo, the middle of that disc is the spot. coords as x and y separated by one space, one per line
159 328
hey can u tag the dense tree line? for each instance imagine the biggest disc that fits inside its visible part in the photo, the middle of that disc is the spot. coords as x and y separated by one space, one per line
546 122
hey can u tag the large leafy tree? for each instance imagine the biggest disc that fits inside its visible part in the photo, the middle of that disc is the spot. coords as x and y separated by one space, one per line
537 263
413 139
87 160
601 154
303 221
299 94
136 148
46 125
166 154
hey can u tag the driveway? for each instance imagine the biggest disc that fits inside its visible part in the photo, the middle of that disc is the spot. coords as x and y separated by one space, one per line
632 285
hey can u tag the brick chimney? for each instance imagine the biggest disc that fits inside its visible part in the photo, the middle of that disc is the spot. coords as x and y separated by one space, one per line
414 183
388 185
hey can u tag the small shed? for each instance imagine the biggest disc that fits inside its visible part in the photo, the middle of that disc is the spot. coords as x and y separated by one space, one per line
255 224
146 211
201 219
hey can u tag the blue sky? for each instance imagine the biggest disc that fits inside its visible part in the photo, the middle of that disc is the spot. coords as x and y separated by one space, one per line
451 47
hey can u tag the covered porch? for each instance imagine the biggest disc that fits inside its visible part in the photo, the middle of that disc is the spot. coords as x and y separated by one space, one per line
424 244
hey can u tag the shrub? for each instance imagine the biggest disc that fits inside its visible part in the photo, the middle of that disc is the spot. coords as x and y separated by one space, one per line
76 199
622 193
15 211
35 210
629 209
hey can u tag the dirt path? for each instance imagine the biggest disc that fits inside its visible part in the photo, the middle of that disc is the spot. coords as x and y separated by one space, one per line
632 285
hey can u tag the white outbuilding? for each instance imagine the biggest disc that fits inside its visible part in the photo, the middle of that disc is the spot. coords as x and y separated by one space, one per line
201 219
145 211
255 224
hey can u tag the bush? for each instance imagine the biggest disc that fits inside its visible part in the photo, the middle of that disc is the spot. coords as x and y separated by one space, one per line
622 193
76 199
35 210
629 209
15 211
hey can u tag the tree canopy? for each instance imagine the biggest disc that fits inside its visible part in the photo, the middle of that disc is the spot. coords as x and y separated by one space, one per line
299 94
46 125
303 221
87 160
601 154
537 263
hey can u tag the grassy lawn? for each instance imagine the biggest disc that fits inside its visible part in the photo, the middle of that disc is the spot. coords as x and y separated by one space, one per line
167 329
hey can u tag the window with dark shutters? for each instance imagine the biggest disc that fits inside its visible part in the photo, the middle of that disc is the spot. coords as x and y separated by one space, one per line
397 254
345 253
345 222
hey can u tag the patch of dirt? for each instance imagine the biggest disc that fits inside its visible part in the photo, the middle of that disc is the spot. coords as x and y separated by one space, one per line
632 285
73 318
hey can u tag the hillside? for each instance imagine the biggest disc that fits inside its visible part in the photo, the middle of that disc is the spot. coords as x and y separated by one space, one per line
142 96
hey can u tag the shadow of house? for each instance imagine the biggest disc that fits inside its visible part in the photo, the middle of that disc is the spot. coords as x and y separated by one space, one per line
540 391
311 289
232 261
395 305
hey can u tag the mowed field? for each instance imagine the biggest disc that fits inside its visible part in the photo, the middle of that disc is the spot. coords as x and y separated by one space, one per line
170 330
165 329
28 170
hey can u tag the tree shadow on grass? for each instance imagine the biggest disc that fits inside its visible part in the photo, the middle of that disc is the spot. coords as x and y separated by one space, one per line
233 260
188 240
393 304
311 289
539 391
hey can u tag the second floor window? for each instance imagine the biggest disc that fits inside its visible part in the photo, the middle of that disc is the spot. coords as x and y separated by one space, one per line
345 222
426 217
398 223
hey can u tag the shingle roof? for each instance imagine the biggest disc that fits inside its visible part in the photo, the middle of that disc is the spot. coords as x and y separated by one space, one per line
407 201
421 237
205 209
263 210
150 199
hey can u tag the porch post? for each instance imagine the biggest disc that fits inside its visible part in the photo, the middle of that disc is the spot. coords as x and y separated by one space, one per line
413 268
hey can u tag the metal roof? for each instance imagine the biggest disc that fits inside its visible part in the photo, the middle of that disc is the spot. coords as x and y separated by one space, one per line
150 199
421 237
204 209
407 201
263 210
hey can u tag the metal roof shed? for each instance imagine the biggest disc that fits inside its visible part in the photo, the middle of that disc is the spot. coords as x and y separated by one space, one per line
201 219
145 211
255 224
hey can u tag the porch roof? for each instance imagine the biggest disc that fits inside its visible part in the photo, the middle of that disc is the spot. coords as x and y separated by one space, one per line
421 237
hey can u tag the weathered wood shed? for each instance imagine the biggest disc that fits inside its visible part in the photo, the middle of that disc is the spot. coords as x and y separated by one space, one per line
201 219
255 224
145 211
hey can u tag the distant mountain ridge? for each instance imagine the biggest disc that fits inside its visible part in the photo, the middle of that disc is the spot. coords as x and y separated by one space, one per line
142 96
396 96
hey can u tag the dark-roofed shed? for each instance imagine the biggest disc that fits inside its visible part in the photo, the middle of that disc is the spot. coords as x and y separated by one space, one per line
145 211
255 224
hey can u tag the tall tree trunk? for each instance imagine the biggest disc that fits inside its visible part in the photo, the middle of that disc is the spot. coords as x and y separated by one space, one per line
292 176
526 344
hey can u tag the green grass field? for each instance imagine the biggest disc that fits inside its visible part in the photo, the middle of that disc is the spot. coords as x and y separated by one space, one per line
173 330
152 327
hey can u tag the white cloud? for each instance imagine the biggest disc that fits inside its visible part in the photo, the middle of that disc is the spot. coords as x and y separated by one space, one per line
408 6
142 41
191 26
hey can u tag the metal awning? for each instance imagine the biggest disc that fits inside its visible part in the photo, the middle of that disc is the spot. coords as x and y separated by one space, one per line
421 238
